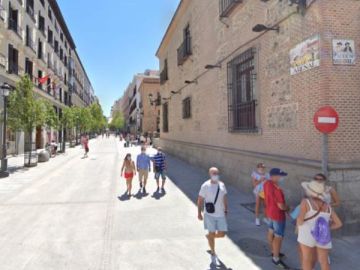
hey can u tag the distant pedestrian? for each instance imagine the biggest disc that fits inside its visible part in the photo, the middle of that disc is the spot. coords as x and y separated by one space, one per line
128 171
275 212
54 148
315 221
159 161
86 145
143 165
213 201
258 177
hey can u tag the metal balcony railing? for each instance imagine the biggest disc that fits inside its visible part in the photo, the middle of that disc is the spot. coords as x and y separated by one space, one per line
164 76
14 26
184 51
30 43
30 11
226 6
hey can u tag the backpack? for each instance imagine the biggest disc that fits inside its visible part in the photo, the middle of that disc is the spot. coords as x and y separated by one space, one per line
321 231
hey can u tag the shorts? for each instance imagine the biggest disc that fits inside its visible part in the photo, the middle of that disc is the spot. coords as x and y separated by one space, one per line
215 224
143 174
128 175
160 173
277 227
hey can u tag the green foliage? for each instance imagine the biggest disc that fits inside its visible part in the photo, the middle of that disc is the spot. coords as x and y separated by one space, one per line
68 117
25 111
118 121
97 120
51 117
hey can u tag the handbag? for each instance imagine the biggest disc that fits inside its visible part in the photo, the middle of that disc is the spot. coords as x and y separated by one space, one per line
210 207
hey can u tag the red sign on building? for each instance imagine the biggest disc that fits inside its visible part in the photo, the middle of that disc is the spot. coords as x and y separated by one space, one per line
326 119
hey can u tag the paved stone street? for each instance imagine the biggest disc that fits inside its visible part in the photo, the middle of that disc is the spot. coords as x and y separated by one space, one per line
70 214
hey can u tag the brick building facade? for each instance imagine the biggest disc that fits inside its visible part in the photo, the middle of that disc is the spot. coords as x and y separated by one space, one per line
256 99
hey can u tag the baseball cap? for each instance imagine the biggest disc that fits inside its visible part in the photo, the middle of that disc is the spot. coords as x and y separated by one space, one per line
277 172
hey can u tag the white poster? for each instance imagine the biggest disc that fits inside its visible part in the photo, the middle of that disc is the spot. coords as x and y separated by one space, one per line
343 52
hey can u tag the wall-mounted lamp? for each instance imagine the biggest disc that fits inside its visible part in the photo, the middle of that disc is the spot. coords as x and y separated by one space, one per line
213 66
175 92
260 28
190 82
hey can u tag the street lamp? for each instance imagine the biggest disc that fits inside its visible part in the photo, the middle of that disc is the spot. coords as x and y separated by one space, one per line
261 28
5 91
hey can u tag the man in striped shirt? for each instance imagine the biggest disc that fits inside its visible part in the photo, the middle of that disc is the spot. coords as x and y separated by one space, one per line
159 162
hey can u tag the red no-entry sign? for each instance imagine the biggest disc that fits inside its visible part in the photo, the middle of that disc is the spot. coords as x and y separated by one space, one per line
326 119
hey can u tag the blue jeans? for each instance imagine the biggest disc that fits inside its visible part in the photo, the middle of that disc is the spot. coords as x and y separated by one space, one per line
277 227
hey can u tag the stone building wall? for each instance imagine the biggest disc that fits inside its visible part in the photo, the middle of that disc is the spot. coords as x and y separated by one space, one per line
286 103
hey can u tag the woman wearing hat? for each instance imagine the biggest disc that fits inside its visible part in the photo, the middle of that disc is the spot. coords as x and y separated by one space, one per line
259 176
315 221
331 196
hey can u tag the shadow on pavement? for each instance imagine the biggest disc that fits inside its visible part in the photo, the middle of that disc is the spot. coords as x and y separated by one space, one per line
157 195
221 265
139 195
124 197
14 169
250 239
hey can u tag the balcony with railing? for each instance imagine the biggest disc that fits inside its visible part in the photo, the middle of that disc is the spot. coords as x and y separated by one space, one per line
184 51
226 6
14 26
164 76
30 43
30 12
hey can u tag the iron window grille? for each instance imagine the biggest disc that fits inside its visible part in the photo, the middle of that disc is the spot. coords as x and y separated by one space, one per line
241 101
166 117
226 6
13 60
186 105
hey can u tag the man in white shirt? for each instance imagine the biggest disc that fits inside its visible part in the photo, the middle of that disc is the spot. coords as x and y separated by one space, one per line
213 192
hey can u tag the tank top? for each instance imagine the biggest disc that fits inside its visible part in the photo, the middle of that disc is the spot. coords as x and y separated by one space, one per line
305 229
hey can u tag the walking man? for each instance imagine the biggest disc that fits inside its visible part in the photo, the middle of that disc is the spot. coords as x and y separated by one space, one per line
143 168
159 162
213 196
275 211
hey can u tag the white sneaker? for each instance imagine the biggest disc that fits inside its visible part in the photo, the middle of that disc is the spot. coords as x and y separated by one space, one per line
257 222
214 260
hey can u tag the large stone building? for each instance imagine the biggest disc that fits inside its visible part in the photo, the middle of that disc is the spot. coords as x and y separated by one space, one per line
140 114
35 40
256 98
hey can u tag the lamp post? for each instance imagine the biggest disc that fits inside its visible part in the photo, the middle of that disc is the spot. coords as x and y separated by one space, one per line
5 90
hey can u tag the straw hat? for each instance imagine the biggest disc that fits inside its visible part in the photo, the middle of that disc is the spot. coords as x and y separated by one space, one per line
314 189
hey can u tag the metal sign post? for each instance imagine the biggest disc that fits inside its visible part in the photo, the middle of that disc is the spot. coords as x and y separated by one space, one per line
325 154
326 120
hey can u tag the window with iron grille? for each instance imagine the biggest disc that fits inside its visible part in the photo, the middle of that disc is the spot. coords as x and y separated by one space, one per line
184 51
186 105
166 117
241 99
226 6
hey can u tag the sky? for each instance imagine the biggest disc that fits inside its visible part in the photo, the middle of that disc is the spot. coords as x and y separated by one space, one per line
117 39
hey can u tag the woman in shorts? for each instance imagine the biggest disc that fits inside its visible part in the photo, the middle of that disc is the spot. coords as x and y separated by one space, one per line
259 176
130 170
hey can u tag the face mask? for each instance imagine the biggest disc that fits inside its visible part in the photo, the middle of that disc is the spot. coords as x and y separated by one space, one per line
143 152
215 178
128 158
282 180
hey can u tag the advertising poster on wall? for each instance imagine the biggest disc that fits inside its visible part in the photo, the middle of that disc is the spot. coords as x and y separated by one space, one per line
305 55
343 52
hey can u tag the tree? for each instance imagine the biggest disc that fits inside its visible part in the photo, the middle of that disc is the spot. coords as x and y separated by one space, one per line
97 118
26 112
118 121
67 123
